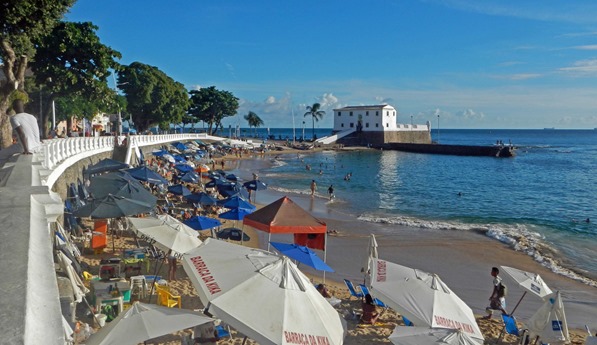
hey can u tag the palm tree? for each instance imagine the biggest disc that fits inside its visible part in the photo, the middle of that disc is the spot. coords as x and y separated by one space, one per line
254 121
315 113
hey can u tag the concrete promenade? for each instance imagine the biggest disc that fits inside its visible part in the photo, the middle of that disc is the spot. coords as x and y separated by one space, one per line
31 201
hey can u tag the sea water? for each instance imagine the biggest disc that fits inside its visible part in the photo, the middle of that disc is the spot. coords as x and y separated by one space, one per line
537 202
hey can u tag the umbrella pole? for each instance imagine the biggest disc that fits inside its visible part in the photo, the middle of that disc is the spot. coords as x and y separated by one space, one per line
325 252
244 340
155 278
269 240
242 234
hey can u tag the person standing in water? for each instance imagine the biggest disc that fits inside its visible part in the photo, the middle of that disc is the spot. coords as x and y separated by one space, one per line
331 191
313 188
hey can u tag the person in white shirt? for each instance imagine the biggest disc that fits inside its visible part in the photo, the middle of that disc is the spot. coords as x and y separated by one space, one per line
25 125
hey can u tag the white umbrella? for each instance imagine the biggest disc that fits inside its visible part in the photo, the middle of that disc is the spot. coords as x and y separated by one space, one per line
531 282
371 254
403 335
262 295
549 322
421 297
145 321
178 224
165 235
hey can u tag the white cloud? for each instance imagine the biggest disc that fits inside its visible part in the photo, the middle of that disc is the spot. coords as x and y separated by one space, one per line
519 76
470 114
587 47
583 67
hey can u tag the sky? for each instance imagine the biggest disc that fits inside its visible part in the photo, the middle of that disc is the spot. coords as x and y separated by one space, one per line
476 64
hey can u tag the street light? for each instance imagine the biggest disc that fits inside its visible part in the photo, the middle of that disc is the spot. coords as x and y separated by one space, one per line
438 128
303 138
411 121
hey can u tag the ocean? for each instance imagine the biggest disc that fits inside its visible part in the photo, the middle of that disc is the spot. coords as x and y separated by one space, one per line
537 202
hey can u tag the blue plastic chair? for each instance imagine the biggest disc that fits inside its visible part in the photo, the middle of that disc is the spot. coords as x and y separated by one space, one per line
223 332
352 290
510 325
376 301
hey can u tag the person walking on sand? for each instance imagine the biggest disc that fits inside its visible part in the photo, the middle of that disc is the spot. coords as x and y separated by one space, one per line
497 300
313 188
331 191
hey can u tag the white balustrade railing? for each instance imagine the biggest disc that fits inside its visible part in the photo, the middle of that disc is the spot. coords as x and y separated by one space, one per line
59 154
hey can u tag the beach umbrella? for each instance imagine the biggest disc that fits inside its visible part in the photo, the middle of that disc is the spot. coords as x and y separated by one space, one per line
302 254
421 297
72 195
190 177
180 146
78 288
159 153
168 157
183 167
143 173
261 295
232 177
236 202
404 335
202 198
232 191
201 168
549 322
371 254
122 184
105 165
234 234
202 223
180 159
112 206
235 214
255 185
142 322
165 235
179 189
530 282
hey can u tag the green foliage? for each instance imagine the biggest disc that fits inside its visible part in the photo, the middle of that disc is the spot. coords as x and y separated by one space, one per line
20 95
315 113
254 120
152 96
73 61
212 105
24 21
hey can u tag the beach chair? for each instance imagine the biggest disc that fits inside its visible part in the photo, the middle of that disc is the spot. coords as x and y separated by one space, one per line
223 332
510 327
352 290
376 301
167 299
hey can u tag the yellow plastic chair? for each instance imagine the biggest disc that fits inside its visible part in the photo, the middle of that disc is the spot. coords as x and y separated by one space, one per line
165 298
88 276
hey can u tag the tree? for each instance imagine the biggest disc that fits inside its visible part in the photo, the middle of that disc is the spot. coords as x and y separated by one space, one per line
315 113
72 62
254 121
153 97
23 22
212 105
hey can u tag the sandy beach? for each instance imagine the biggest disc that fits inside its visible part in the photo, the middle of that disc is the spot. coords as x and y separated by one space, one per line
463 260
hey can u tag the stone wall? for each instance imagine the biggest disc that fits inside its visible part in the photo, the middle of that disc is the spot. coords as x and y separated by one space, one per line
380 138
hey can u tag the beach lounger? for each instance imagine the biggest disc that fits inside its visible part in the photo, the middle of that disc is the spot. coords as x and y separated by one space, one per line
352 290
376 301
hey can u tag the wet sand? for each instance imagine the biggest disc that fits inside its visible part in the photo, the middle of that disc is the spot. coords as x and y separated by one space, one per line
462 259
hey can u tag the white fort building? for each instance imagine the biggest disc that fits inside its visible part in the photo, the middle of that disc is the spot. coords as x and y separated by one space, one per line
376 125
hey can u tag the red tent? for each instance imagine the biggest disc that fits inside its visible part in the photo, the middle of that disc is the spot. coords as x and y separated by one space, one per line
284 216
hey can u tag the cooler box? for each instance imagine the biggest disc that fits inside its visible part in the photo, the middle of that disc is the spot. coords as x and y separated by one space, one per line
99 239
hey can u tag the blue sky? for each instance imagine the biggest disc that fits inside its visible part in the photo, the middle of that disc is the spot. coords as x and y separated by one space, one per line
477 64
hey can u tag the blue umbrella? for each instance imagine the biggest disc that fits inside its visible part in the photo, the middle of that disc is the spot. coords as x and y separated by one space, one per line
143 173
231 177
202 198
105 165
190 177
179 189
236 202
183 167
202 223
255 185
215 182
159 153
180 158
235 214
303 255
180 146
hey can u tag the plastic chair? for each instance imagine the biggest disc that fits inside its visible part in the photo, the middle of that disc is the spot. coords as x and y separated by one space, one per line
139 286
352 290
510 327
167 299
376 301
223 332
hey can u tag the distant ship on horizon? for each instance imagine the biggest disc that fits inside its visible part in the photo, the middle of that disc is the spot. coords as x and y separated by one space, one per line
549 128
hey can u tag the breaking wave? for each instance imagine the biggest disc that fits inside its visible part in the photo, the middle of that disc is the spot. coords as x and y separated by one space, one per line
517 236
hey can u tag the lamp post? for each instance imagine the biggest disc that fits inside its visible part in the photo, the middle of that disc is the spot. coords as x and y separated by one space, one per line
411 121
303 131
438 128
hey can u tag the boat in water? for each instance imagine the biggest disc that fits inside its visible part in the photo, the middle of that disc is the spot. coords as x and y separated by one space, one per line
455 150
